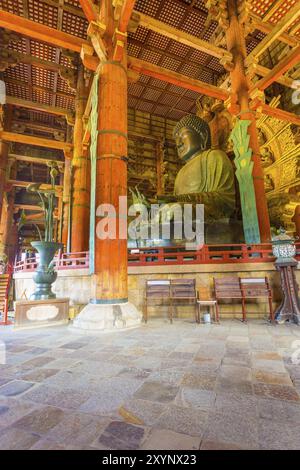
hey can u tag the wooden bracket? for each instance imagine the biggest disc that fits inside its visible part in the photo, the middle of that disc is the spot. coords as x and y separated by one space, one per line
96 32
119 41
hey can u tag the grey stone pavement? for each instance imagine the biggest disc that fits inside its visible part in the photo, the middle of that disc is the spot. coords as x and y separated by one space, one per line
159 387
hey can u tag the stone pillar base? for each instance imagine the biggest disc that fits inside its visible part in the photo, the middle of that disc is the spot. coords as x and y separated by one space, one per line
107 317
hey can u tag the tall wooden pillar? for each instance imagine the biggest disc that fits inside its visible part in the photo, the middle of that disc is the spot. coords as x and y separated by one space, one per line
109 307
66 201
5 120
236 44
111 180
80 170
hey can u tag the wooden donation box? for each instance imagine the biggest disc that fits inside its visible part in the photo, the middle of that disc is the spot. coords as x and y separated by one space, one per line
40 313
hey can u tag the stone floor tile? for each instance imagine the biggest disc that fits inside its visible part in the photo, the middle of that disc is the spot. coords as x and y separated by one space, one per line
277 436
204 380
12 409
142 412
78 429
164 439
233 428
281 392
68 398
105 402
17 439
171 376
37 362
195 398
40 420
157 391
183 420
279 410
39 375
15 387
271 377
119 435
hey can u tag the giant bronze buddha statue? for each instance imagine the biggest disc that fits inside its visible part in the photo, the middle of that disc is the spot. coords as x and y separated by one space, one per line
207 176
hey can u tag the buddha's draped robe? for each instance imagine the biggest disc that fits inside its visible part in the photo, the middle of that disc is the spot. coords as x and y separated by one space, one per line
208 178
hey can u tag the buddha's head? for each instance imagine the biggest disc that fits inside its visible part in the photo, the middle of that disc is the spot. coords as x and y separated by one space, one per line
192 134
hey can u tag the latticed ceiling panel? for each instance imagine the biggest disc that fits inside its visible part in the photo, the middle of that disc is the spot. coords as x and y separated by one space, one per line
17 90
42 77
261 7
153 57
42 13
19 46
149 8
134 50
185 105
157 40
63 87
43 51
75 25
41 97
13 6
64 102
19 72
282 10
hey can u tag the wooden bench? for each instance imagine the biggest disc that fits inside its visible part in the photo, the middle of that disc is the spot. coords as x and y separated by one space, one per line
172 293
229 288
258 288
4 292
157 290
243 289
183 292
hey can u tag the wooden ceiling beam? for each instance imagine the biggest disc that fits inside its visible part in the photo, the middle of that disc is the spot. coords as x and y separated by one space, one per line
39 107
89 9
283 80
39 160
38 126
267 28
40 63
283 66
40 32
24 184
126 12
37 141
177 79
182 37
275 33
280 114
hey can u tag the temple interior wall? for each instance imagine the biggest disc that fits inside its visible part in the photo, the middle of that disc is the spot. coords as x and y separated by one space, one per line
77 285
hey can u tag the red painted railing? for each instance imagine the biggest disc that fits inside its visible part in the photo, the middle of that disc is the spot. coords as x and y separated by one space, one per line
208 254
61 261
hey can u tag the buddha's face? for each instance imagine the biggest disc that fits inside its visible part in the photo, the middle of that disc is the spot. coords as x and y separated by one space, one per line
189 142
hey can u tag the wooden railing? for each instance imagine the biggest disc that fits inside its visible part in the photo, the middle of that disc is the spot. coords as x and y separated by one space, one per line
61 261
208 254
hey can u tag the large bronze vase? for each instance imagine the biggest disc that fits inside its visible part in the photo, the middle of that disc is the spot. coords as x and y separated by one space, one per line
45 275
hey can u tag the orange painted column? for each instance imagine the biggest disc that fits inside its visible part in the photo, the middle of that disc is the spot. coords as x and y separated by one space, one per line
66 201
7 222
5 122
111 182
3 167
80 169
236 44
